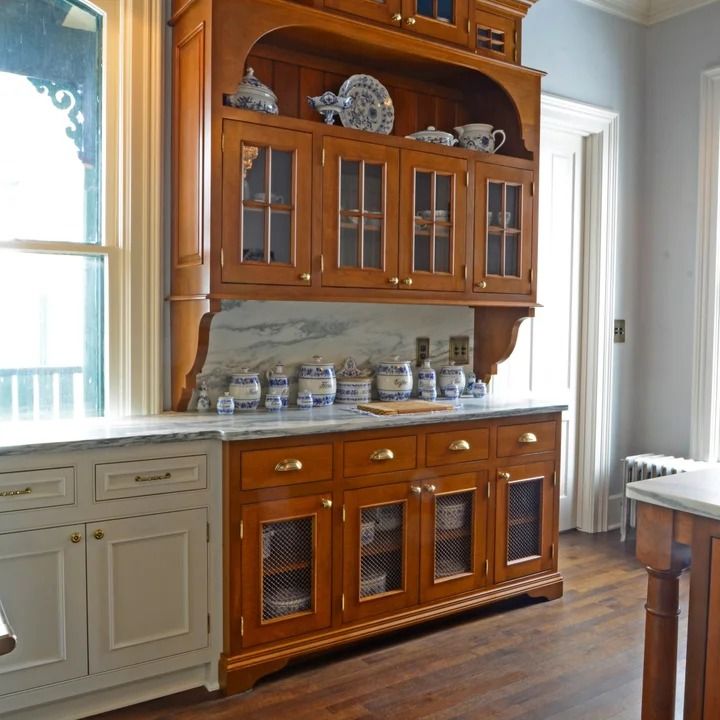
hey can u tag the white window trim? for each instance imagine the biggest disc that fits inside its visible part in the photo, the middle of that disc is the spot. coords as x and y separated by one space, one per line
705 411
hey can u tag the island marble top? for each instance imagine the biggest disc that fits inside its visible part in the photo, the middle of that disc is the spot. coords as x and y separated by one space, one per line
696 492
24 436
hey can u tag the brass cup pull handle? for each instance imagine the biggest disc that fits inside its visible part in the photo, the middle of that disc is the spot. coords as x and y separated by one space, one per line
415 489
481 285
528 438
503 475
407 281
291 465
410 21
430 488
459 446
305 277
326 503
397 17
98 534
382 455
394 281
152 478
16 493
75 538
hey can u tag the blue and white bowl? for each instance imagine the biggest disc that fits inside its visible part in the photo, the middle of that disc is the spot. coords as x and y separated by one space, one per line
318 378
394 379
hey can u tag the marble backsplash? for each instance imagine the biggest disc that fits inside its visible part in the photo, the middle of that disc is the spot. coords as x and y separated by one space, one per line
258 335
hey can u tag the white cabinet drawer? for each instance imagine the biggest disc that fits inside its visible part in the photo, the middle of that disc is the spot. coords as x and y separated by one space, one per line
33 489
150 477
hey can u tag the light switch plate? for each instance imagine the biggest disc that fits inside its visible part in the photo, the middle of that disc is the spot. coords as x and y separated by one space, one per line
459 349
422 350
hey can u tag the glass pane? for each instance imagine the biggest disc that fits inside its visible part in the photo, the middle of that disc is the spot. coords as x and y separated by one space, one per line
495 201
372 243
513 195
281 177
280 236
442 249
523 518
51 121
253 235
421 256
425 7
381 549
443 196
423 182
445 10
255 185
350 185
287 567
373 188
453 534
512 256
494 253
349 244
54 364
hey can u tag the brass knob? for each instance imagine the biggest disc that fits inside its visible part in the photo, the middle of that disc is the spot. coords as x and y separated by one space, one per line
305 277
98 534
75 538
459 446
410 21
430 488
481 285
326 503
382 455
528 438
407 281
292 465
397 17
503 476
394 281
415 489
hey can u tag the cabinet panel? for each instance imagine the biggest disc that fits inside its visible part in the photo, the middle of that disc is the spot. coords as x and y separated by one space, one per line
457 446
384 455
31 489
442 19
286 466
526 438
147 588
379 10
266 205
495 35
42 583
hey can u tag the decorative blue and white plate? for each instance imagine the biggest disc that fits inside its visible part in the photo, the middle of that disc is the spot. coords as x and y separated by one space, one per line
371 108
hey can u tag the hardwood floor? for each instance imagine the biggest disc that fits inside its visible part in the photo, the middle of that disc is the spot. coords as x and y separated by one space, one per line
577 658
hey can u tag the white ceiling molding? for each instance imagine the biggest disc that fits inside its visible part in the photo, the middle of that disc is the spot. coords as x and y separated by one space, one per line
647 12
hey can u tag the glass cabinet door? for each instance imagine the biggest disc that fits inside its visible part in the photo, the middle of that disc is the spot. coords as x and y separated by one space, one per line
432 222
503 230
443 19
359 224
266 205
381 10
380 545
286 555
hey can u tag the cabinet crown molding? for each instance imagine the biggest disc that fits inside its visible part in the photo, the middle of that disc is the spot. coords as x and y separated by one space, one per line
647 12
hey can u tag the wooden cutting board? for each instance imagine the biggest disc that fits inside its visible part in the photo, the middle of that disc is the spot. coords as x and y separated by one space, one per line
404 407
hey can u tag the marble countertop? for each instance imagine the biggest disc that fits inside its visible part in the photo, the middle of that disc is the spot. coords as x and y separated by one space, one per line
22 437
696 492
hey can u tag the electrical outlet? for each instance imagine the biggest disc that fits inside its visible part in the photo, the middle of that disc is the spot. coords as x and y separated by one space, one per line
459 345
422 350
619 331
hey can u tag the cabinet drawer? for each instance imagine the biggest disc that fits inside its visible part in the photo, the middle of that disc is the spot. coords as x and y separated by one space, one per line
150 477
286 466
370 457
525 439
457 446
31 489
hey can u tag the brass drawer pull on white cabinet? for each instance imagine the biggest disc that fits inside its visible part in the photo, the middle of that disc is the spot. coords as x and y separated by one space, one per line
382 455
15 493
152 478
459 446
75 538
528 438
292 465
98 534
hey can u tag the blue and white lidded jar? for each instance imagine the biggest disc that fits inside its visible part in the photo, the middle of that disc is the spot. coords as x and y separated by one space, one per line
451 374
278 383
273 402
226 404
245 388
452 392
394 379
305 400
353 384
318 378
426 380
479 389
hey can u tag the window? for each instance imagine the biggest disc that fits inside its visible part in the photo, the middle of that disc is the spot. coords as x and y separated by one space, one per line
68 254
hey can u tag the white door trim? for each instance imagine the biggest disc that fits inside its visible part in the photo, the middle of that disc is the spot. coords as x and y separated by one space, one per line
594 421
705 423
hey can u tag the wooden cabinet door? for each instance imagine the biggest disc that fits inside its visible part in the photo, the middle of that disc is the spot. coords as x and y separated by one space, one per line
286 568
266 205
524 520
384 11
504 232
496 35
380 541
42 587
147 588
442 19
360 185
433 226
453 531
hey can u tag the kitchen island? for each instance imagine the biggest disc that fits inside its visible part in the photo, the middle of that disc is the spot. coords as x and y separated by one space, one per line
679 519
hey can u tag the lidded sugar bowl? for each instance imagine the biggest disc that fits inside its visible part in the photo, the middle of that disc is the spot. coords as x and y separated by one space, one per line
318 378
394 379
451 374
251 94
245 388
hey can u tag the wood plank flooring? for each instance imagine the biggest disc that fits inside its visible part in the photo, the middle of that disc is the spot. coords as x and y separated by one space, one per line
577 658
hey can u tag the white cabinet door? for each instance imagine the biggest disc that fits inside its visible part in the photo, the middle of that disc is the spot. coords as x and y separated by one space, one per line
42 587
147 588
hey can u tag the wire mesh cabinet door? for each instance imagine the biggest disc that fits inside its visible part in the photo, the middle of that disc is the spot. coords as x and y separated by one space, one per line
380 563
454 535
525 520
286 557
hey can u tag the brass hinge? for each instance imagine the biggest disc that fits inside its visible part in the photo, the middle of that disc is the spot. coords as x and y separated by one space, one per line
342 602
531 275
222 143
552 551
487 566
323 157
555 479
222 257
488 489
468 26
322 263
207 536
242 626
208 623
465 272
532 189
343 513
241 529
467 178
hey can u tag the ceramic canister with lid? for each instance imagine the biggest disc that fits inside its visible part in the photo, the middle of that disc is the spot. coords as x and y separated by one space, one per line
451 374
394 379
245 388
318 378
353 384
426 378
278 383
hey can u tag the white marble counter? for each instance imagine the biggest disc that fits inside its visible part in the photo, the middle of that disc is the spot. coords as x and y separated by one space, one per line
696 492
23 437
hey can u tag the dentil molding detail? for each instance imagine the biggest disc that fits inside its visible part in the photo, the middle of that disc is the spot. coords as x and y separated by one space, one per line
647 12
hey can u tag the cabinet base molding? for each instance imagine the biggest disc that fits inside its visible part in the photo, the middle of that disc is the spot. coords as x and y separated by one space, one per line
239 673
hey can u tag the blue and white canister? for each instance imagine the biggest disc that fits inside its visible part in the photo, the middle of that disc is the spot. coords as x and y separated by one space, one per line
273 402
278 383
479 389
318 378
226 404
394 379
245 389
353 384
451 374
427 381
305 400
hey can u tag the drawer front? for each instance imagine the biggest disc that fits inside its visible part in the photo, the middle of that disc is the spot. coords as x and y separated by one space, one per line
371 457
457 446
150 477
286 466
525 439
33 489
